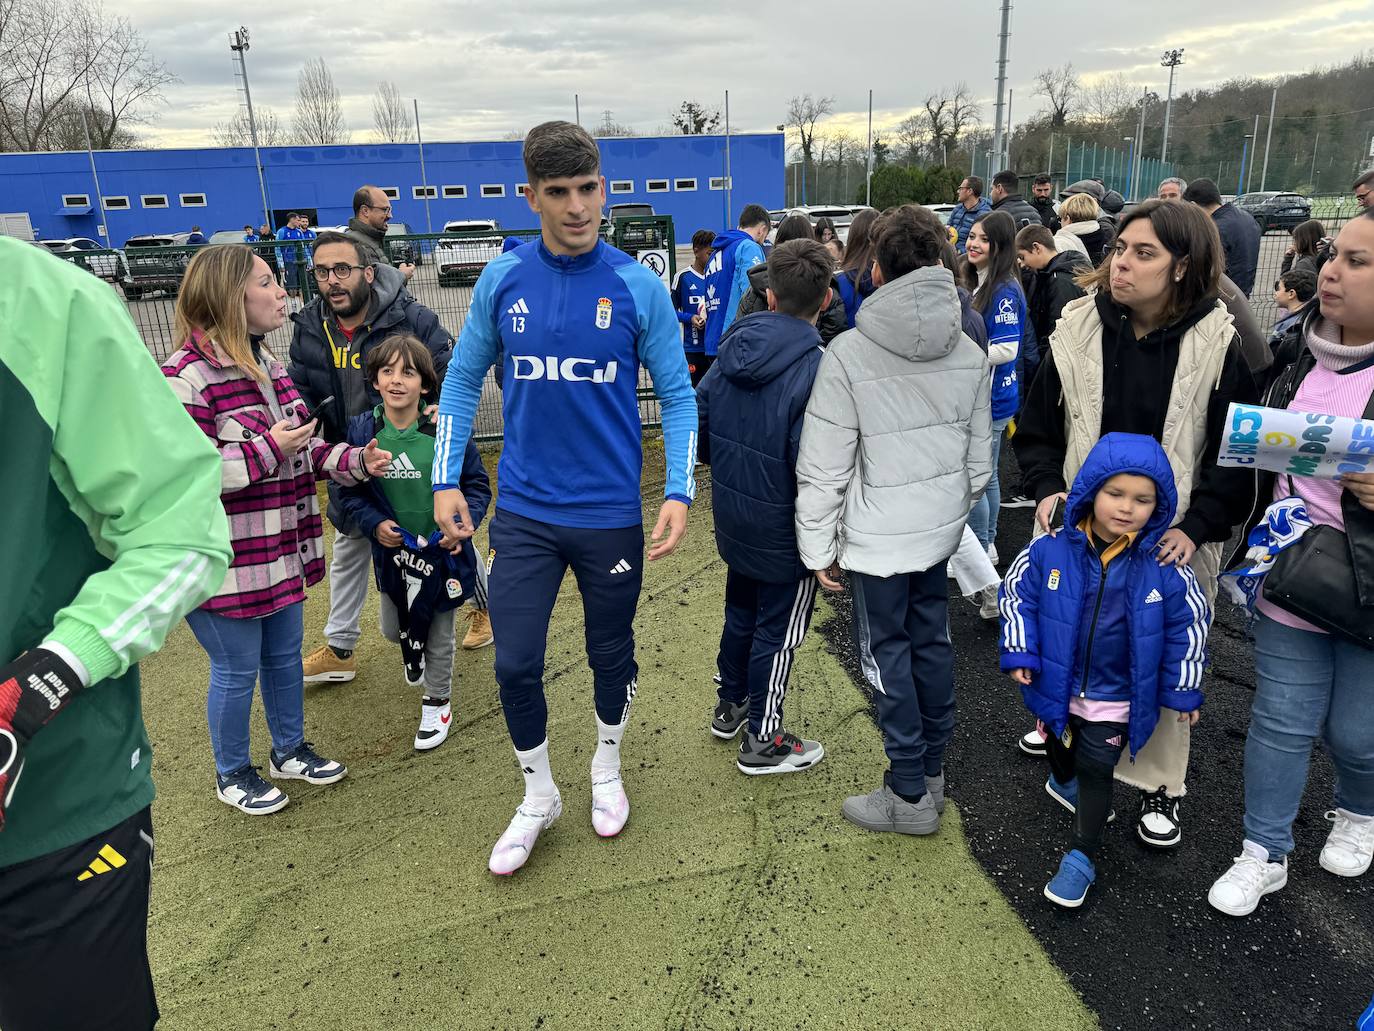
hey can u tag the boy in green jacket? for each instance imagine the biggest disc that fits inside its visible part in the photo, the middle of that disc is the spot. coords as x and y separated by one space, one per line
111 531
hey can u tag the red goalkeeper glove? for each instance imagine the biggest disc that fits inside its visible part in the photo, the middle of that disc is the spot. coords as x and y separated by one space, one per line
33 689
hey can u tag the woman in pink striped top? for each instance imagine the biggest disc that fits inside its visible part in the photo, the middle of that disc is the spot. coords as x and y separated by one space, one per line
241 397
1310 684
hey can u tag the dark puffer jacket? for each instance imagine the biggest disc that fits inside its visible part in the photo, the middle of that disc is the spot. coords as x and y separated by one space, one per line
1019 209
750 406
831 323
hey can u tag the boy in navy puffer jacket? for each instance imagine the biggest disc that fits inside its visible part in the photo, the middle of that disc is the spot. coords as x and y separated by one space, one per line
750 406
1100 636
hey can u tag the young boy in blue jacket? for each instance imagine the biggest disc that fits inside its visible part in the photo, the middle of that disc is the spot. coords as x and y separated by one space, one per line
421 584
750 406
1100 636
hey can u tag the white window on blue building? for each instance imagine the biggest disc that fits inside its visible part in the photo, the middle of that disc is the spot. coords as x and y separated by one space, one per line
193 200
717 182
455 192
622 186
684 185
656 185
493 189
76 200
116 203
520 189
422 192
153 200
392 192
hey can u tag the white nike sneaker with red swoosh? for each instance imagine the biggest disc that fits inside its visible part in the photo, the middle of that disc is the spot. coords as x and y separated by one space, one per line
435 718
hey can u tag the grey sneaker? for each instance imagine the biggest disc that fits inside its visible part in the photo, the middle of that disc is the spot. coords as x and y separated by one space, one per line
728 718
882 810
781 753
935 788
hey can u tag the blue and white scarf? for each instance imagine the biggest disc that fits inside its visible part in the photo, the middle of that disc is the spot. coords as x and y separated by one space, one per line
1284 524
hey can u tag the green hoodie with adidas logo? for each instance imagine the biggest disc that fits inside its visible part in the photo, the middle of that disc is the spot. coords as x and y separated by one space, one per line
111 530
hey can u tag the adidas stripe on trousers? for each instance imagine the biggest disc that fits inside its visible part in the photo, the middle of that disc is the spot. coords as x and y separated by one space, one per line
526 572
764 625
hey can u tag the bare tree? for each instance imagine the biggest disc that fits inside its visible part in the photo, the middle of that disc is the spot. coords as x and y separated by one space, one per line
236 133
948 114
963 112
1059 87
913 135
1107 96
802 114
693 119
122 78
391 115
319 114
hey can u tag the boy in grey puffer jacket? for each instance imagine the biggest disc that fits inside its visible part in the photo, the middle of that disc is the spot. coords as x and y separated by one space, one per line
896 447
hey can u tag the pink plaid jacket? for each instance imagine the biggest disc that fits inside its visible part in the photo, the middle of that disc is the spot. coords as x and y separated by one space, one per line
274 516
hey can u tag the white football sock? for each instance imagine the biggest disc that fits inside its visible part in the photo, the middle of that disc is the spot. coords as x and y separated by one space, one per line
608 737
539 785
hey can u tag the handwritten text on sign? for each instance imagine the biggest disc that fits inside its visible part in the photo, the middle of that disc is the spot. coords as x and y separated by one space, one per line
1297 443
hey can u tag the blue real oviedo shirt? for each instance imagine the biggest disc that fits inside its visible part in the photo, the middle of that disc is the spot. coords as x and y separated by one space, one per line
571 333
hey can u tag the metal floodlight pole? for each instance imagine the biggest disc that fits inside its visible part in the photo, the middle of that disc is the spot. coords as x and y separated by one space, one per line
424 181
1003 36
1313 174
100 221
239 45
1268 138
729 212
1244 151
1130 168
1171 60
577 109
1251 173
868 162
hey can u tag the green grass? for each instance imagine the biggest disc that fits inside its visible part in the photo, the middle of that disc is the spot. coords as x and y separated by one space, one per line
728 902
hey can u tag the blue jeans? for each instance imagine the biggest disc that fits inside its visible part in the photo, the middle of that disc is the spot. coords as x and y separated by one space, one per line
243 652
982 517
1307 686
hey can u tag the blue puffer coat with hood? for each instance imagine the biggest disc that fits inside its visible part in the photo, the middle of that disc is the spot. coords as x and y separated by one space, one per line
1131 630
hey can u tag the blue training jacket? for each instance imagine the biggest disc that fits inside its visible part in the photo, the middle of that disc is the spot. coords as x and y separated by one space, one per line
961 220
750 405
1131 630
572 332
1006 323
734 253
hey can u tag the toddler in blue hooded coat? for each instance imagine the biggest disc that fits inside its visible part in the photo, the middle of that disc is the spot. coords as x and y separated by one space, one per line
1100 636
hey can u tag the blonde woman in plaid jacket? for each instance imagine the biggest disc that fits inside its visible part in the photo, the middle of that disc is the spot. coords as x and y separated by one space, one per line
241 397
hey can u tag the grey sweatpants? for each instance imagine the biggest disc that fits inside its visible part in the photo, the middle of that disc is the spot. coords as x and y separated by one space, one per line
438 647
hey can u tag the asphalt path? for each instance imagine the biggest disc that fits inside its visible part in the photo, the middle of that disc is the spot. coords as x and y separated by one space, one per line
1146 950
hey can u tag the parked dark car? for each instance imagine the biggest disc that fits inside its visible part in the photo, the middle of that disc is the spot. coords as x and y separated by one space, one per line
403 250
155 262
1274 210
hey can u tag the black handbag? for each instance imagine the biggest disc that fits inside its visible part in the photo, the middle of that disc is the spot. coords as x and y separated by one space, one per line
1315 580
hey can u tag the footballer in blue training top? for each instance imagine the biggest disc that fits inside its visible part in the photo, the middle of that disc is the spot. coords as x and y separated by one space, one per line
572 319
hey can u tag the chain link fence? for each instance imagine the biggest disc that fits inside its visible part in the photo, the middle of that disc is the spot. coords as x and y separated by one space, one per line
447 266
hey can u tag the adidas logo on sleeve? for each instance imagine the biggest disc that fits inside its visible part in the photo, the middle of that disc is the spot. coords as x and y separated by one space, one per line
1154 596
402 468
518 308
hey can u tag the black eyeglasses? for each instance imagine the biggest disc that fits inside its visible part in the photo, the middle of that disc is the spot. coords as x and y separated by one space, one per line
343 273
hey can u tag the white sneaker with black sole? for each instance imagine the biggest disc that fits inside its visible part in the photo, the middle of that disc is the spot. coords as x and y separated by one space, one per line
1018 501
781 753
1159 825
435 716
1252 876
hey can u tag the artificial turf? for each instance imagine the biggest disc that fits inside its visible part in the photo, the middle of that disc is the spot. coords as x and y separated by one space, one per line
728 901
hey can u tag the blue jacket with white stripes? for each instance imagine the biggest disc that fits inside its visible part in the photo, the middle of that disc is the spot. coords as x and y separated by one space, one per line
1127 630
750 407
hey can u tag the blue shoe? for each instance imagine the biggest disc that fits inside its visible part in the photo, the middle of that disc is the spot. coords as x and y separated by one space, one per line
1067 795
304 763
246 791
1069 887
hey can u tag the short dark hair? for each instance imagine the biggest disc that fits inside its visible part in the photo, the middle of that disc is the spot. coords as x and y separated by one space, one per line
975 185
1202 191
703 238
1008 180
248 227
1194 246
1030 235
794 227
1366 179
362 197
1302 281
1043 179
559 150
407 347
752 215
799 273
329 236
292 215
907 239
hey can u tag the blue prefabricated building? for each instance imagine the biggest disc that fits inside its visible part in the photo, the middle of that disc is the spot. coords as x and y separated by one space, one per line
168 191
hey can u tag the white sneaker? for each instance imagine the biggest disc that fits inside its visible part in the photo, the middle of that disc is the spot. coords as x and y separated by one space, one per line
610 804
436 715
1350 845
992 554
1238 891
513 848
987 605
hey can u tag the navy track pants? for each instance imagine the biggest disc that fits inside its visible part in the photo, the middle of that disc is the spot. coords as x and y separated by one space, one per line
764 625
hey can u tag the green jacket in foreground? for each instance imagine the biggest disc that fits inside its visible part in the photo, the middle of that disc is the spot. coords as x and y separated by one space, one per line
111 530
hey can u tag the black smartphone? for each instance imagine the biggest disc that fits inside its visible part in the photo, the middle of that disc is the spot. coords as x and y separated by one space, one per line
314 413
1057 515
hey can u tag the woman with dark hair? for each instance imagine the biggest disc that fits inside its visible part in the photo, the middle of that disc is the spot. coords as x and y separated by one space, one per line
1303 251
1310 683
990 252
1152 350
825 230
856 267
831 322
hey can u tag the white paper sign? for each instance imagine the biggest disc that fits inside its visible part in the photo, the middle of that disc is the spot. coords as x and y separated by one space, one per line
1297 443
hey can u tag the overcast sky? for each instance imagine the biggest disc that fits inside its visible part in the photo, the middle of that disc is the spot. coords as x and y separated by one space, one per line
483 70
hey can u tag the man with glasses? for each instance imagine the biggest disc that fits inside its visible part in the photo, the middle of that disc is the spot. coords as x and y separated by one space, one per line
971 207
1363 185
358 304
371 213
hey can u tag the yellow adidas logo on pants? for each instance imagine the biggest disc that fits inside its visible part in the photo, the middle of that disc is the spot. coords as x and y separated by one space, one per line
108 859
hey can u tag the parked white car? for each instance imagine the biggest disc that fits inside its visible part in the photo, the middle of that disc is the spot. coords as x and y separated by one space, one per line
462 259
108 265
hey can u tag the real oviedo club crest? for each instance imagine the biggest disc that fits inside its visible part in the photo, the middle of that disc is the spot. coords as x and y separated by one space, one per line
603 313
